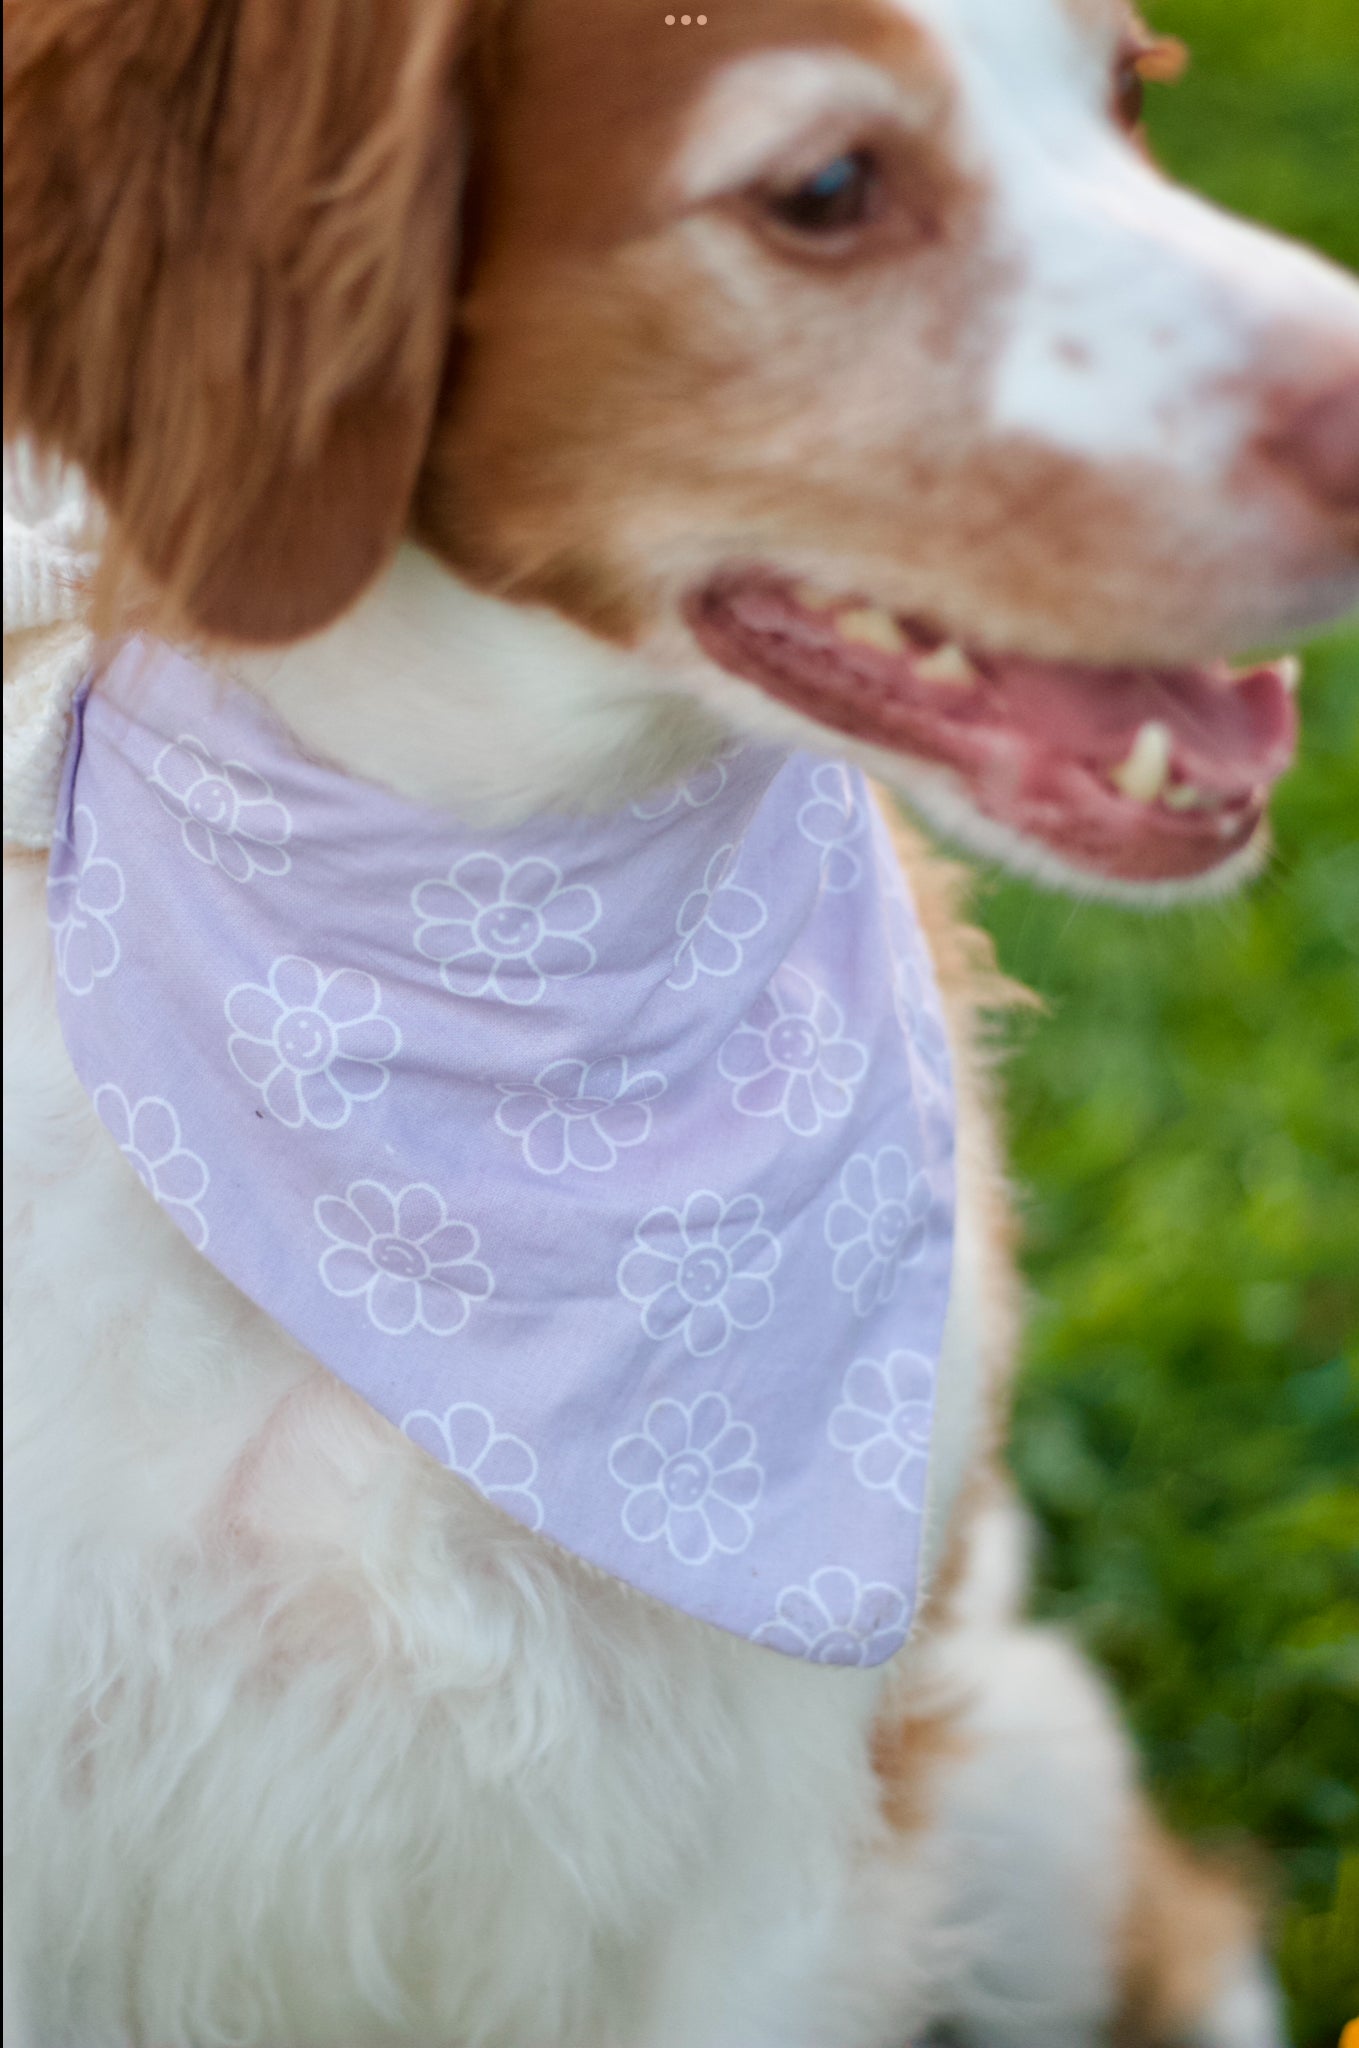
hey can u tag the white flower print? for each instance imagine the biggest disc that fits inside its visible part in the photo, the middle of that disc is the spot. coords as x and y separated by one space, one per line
85 892
714 923
884 1420
228 815
501 1467
147 1133
877 1228
416 1265
691 1477
837 1619
579 1113
505 929
702 1274
702 788
313 1043
830 819
791 1058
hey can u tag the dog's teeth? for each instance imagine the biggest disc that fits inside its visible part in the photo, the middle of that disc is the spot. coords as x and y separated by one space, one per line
813 598
1146 770
869 627
948 666
1290 673
1187 796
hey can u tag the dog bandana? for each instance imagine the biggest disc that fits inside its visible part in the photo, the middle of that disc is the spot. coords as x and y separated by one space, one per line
611 1159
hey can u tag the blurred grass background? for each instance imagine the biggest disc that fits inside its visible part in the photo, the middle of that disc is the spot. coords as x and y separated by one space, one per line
1186 1132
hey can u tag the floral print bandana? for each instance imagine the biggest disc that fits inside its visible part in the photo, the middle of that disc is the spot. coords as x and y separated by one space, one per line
611 1159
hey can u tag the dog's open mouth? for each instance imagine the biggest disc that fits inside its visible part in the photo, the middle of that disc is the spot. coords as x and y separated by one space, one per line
1137 774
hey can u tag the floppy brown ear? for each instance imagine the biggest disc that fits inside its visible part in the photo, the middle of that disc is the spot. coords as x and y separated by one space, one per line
229 242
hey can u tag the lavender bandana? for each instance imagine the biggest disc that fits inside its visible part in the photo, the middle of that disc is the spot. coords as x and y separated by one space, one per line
610 1159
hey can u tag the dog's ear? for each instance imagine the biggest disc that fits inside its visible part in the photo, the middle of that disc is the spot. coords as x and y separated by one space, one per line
229 244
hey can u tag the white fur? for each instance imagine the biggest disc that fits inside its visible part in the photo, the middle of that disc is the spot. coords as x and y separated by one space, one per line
1137 308
1136 315
1247 2011
1025 1819
495 710
1143 309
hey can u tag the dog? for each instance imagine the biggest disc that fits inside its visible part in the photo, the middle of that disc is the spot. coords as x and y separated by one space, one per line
533 411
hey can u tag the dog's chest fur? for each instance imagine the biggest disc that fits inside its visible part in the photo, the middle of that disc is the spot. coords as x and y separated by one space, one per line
256 1605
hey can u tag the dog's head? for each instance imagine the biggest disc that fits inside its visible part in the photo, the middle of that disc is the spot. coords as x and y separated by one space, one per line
848 359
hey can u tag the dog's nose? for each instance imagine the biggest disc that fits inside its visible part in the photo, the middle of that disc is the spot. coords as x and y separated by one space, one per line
1319 446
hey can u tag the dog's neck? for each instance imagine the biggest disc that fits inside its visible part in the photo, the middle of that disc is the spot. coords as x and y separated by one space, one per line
493 710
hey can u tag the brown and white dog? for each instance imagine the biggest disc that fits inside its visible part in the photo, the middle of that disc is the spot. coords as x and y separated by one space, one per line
552 387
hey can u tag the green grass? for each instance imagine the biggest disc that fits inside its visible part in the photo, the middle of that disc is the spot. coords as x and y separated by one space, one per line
1185 1127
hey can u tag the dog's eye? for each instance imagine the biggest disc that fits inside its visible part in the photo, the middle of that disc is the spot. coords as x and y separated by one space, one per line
1142 64
837 198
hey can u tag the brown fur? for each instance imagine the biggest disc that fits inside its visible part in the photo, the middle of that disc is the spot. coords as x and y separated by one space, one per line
613 407
228 233
976 996
909 1745
916 1734
1185 1916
